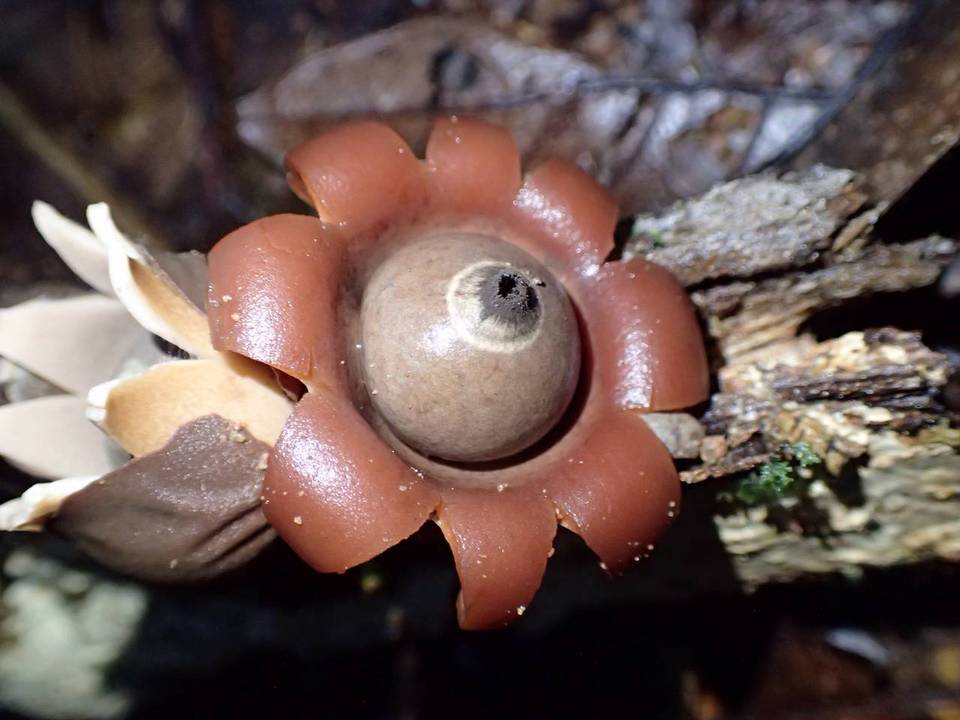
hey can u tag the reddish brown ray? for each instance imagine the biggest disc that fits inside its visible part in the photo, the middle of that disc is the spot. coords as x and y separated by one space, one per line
500 541
186 512
566 219
472 166
357 175
618 489
274 290
645 338
335 491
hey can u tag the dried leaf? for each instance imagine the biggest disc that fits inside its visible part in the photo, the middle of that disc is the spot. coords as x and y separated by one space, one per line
189 511
653 124
143 412
76 246
147 290
907 117
188 272
74 343
50 437
39 502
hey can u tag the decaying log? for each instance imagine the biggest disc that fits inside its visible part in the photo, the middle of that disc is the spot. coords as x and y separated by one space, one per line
761 256
744 228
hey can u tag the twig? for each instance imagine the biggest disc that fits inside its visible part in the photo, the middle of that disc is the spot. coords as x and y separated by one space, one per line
22 125
882 51
609 83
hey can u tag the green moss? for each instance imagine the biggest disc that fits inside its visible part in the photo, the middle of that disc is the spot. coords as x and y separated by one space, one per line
779 478
802 454
656 239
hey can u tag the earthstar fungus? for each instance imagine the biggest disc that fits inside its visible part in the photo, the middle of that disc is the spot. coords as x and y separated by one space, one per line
468 353
446 340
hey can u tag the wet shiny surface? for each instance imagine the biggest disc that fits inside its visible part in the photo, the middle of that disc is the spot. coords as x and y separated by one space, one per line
618 489
472 166
335 491
501 542
356 176
275 285
565 218
344 486
646 337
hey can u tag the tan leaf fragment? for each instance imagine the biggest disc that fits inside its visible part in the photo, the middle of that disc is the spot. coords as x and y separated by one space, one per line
77 247
144 411
147 291
50 437
30 511
74 343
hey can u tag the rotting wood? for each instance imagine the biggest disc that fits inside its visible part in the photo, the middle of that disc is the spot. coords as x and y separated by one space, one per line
761 256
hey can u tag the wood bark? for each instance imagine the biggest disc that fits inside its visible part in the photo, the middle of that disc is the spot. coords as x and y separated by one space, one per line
762 257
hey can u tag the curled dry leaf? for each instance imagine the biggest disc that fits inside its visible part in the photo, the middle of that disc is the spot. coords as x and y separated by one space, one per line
711 95
147 290
188 507
142 412
189 511
76 245
90 342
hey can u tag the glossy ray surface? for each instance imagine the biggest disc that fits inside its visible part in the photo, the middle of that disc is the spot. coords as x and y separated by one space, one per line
566 219
617 489
500 541
335 491
645 337
274 290
340 488
356 176
472 166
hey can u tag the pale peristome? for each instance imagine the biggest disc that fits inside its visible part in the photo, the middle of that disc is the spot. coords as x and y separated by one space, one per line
50 437
39 502
76 245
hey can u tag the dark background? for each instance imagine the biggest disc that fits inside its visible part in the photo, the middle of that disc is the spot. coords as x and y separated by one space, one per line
137 103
